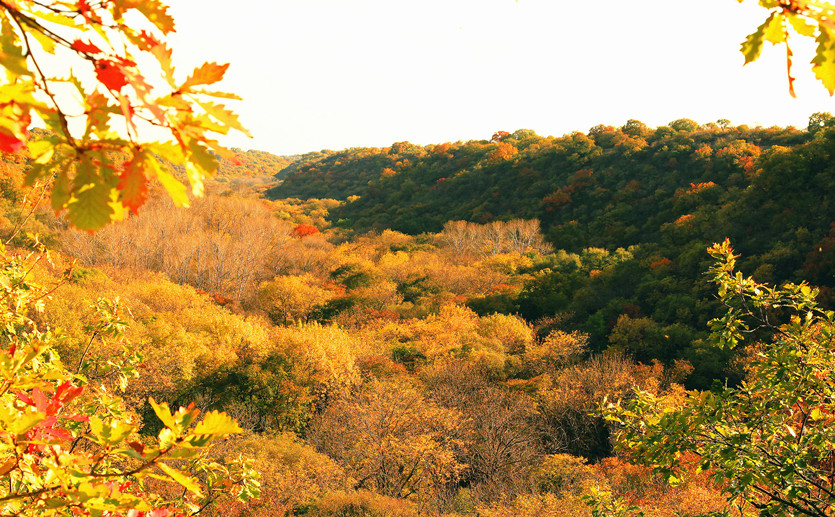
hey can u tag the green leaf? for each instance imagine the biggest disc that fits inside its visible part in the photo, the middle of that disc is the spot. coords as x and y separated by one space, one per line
753 44
89 207
60 192
202 157
11 54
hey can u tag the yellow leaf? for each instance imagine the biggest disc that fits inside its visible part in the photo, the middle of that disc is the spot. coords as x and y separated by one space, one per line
7 465
109 432
174 187
47 43
823 64
801 26
207 73
776 30
225 116
59 19
217 423
182 478
163 413
163 55
221 95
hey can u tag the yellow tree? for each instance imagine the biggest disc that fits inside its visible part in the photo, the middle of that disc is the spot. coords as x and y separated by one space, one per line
391 439
289 298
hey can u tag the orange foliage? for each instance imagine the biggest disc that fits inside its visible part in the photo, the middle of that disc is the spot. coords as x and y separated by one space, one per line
335 287
684 219
659 263
699 187
747 164
442 150
218 299
383 314
498 136
503 152
304 230
503 289
557 200
704 152
581 179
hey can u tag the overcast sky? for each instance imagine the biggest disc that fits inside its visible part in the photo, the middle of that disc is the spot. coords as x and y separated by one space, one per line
331 74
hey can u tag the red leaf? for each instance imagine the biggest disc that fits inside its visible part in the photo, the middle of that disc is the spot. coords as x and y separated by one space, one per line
25 398
39 399
133 185
87 48
147 41
87 12
66 392
110 74
10 143
58 434
138 447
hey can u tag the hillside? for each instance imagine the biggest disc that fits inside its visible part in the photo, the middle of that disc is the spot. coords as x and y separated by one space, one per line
489 342
661 195
617 184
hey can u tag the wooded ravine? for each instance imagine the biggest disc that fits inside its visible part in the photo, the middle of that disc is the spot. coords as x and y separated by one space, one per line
431 330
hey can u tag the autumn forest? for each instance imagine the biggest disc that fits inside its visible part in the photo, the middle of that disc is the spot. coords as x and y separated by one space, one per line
623 321
431 330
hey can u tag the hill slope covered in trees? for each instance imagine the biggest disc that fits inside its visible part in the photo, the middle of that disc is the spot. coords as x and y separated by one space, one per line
661 195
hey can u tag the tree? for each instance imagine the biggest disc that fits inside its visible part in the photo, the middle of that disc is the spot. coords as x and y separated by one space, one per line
99 172
289 298
818 121
684 124
769 442
391 439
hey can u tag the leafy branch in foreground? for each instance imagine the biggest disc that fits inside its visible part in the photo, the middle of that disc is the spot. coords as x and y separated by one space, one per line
101 172
769 443
67 444
808 18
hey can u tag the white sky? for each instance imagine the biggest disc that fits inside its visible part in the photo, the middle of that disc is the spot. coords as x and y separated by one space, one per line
331 74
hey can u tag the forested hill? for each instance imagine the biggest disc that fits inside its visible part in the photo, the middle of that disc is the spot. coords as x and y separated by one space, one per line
768 189
611 187
253 163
